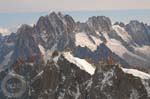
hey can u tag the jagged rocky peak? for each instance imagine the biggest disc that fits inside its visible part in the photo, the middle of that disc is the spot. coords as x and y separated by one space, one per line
100 23
24 27
6 47
11 38
57 21
26 45
84 27
112 81
139 32
54 25
70 22
47 23
25 34
65 22
121 24
136 26
25 30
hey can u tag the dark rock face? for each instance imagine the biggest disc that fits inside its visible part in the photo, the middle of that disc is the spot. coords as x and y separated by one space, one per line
139 32
60 79
56 28
64 81
111 82
7 44
83 27
102 53
100 23
26 45
120 24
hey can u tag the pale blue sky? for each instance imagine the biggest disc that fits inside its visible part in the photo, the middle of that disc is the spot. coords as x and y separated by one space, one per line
13 13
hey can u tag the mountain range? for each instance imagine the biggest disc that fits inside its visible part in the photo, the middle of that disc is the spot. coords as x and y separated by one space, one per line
95 39
81 60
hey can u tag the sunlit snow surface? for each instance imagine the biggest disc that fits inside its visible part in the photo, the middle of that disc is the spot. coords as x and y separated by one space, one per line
7 58
117 47
122 33
46 54
83 40
137 73
42 49
81 63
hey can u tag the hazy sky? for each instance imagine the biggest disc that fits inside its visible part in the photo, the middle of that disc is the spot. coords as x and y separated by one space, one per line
70 5
13 13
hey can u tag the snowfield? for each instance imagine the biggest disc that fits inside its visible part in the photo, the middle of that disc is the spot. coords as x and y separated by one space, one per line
83 40
122 33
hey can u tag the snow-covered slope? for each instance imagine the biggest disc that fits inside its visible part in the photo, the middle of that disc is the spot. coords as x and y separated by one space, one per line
81 63
122 33
42 49
137 73
84 40
118 48
143 51
119 41
46 54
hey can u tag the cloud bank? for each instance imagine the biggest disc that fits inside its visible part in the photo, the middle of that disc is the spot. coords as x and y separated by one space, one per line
4 31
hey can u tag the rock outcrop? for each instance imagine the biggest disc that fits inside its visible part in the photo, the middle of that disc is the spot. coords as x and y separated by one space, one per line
65 77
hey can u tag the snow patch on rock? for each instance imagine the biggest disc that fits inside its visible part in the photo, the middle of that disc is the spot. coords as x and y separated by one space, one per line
117 47
122 33
134 94
147 86
45 53
81 63
83 40
144 50
42 49
137 73
107 79
44 36
7 58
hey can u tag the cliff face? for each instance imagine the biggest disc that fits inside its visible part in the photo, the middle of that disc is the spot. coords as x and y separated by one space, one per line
7 44
139 31
69 77
111 82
